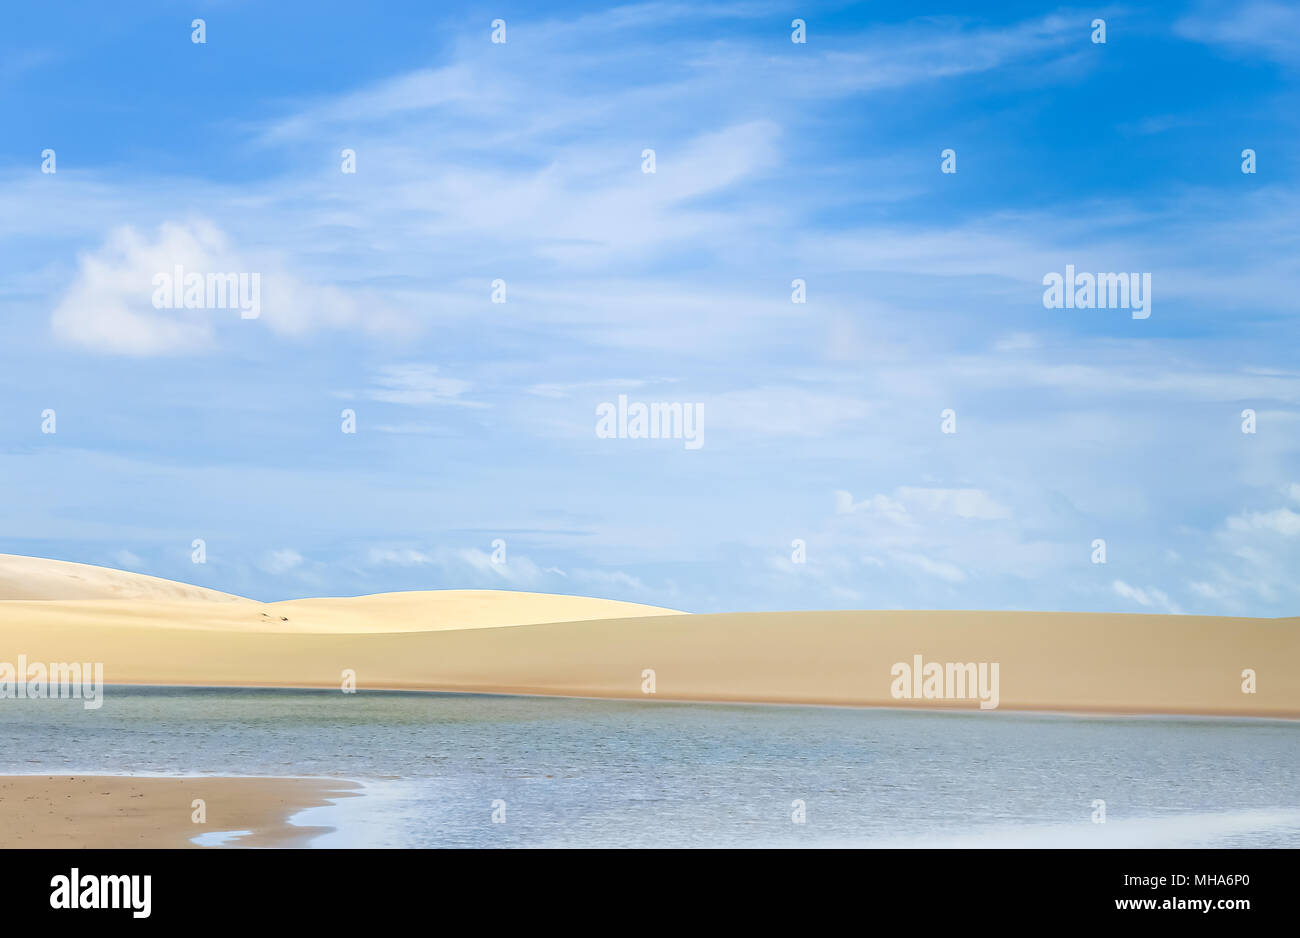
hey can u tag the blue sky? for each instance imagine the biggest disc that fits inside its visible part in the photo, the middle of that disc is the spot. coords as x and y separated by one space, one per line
774 161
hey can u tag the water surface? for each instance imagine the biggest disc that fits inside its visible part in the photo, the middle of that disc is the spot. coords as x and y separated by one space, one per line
607 773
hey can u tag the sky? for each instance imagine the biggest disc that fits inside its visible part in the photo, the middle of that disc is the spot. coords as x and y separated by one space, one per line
823 478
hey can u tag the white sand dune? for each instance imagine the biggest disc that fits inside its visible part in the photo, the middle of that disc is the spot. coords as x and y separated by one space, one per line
41 579
435 610
58 594
532 643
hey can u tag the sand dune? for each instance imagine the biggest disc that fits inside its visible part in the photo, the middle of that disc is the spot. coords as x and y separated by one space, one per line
56 592
422 611
43 579
529 643
353 615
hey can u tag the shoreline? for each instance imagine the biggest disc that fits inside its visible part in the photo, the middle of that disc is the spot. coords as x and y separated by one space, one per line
1286 716
87 811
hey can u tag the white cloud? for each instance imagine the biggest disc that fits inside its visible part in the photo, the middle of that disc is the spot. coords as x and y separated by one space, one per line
939 568
418 384
1208 590
109 306
892 57
420 90
522 165
608 578
398 557
964 503
563 390
1281 521
972 504
1255 27
1150 597
282 561
125 560
881 505
516 571
466 568
470 568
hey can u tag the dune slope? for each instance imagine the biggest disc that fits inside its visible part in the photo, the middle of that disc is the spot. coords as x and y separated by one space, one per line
38 578
527 643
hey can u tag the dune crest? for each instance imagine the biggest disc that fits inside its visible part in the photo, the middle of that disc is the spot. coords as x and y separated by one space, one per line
437 610
39 578
61 594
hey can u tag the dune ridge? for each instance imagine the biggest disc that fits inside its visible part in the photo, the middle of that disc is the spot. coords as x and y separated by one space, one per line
527 643
39 578
56 592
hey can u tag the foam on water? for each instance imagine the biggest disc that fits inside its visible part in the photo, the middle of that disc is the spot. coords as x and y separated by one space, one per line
217 838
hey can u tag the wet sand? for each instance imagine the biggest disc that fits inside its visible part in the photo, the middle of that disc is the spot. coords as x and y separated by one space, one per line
92 811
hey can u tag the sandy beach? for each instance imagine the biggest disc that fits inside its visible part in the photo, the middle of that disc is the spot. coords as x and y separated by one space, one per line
87 811
528 643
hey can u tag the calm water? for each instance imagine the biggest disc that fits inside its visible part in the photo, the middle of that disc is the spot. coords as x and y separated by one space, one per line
594 773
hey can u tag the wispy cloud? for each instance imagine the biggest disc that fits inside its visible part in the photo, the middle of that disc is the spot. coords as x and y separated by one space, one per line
1150 597
775 161
418 383
1253 27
